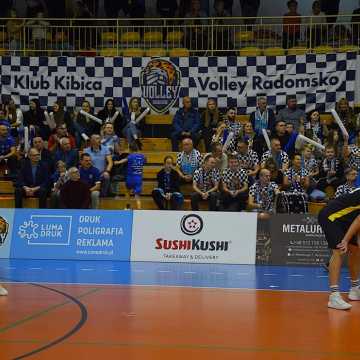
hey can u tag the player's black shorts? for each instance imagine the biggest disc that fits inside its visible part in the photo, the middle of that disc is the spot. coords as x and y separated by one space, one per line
334 230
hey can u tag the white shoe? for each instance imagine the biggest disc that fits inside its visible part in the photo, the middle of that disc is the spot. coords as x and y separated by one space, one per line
354 294
337 302
3 291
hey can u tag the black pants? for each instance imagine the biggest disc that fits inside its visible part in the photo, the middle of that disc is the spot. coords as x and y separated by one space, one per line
162 203
212 200
237 203
20 194
207 134
11 164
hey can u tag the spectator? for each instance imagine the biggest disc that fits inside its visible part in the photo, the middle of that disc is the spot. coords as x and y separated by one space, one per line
309 163
276 175
195 32
166 8
118 171
249 9
255 142
66 154
90 175
331 172
7 151
210 120
222 35
83 126
39 33
33 180
206 185
75 194
355 20
248 159
263 117
102 160
186 123
349 186
280 157
107 115
331 9
348 118
291 25
168 190
292 114
134 174
132 129
333 139
313 122
61 116
286 140
231 125
220 157
109 139
16 118
58 179
317 25
352 153
55 139
35 119
296 179
188 161
33 7
235 186
262 194
45 154
14 29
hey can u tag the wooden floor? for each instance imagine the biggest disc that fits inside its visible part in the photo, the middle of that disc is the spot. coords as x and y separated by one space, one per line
150 322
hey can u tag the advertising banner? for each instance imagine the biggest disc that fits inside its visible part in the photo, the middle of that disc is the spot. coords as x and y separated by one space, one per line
295 239
6 224
71 234
194 237
318 80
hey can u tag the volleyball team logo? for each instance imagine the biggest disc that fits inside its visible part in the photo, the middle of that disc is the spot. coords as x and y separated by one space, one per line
160 84
4 230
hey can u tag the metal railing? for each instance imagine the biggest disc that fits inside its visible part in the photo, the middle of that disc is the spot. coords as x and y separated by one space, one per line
200 36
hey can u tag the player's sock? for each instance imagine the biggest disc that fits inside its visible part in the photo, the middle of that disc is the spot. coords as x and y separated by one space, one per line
355 284
334 289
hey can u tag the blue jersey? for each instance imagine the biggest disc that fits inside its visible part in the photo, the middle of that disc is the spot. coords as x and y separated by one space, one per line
135 164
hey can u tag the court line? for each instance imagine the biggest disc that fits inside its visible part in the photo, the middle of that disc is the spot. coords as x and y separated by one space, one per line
42 312
197 347
168 286
75 329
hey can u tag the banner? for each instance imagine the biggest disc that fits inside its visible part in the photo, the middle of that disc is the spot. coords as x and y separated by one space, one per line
6 221
71 234
295 239
318 80
194 237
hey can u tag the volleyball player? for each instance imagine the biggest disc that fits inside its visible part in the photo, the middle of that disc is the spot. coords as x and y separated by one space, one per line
340 221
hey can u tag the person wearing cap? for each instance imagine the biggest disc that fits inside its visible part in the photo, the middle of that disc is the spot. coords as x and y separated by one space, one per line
292 113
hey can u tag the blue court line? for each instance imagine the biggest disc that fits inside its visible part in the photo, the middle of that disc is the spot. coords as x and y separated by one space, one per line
169 274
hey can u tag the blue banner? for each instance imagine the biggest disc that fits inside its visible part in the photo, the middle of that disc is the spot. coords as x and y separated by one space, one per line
6 221
72 234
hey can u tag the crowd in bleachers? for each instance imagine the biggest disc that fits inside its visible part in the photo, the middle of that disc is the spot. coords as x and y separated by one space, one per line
76 157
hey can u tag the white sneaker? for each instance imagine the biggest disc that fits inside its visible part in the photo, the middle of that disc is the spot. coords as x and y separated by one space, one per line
337 302
3 291
354 294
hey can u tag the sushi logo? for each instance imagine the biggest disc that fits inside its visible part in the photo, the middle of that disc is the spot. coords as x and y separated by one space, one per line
4 229
191 224
160 84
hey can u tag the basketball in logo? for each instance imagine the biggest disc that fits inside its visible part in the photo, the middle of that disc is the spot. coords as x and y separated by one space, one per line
191 224
160 84
4 229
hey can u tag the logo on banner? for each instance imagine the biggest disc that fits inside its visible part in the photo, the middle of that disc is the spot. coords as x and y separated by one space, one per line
4 230
309 226
191 224
46 230
160 84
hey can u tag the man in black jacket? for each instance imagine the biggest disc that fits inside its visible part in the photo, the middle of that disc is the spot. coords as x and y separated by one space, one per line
33 180
168 191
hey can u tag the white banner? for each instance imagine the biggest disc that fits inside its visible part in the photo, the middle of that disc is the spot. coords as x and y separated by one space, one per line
194 237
